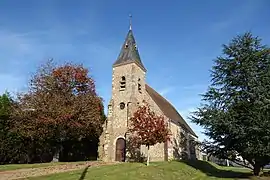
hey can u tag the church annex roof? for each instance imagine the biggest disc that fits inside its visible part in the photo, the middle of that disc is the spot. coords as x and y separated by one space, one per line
168 110
129 52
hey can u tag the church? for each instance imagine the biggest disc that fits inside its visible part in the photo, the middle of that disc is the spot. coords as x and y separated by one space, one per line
129 89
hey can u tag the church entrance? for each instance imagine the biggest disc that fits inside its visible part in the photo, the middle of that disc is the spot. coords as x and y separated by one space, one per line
120 153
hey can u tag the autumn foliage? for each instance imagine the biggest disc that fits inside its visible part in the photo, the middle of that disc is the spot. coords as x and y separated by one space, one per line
74 78
147 127
61 103
61 106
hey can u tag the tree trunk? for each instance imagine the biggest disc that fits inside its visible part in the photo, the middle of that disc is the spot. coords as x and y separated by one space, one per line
256 169
148 157
29 158
227 162
56 155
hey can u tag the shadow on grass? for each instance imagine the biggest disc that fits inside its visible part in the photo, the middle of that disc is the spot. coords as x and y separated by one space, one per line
211 170
84 173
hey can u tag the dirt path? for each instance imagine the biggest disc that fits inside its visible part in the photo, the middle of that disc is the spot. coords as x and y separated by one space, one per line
31 172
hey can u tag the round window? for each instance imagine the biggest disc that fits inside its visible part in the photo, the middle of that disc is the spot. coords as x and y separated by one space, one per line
122 105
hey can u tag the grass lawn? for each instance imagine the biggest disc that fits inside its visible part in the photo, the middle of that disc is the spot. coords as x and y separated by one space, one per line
158 171
26 166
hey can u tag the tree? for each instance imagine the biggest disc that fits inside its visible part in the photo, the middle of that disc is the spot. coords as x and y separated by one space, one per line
236 109
60 106
10 142
5 108
148 128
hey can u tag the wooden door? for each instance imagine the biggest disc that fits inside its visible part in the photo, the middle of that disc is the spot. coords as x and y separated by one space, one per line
120 152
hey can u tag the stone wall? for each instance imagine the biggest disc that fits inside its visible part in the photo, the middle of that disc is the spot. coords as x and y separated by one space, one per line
179 146
157 151
173 151
118 119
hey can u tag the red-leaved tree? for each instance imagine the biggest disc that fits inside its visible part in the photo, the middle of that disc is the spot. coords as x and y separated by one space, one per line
148 127
61 105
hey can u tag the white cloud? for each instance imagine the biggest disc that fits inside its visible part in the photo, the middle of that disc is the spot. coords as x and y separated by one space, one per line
166 90
22 53
196 88
11 83
186 113
13 44
18 52
13 48
186 99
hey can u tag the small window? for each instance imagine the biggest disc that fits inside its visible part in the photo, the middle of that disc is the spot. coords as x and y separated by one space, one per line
123 83
122 105
139 86
126 45
110 109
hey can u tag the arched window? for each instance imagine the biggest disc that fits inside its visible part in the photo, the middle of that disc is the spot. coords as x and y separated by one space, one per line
123 83
139 86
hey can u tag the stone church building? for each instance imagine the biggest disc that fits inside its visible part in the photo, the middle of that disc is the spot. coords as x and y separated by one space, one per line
129 89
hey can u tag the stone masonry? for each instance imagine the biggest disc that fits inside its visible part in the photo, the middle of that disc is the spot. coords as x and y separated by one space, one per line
129 89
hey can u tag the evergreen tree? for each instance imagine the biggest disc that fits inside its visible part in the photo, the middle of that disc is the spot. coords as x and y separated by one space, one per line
236 112
9 141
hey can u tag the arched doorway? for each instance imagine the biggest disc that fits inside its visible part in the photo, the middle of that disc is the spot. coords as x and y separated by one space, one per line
120 152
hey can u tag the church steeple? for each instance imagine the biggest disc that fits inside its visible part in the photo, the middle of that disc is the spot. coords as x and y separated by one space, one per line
129 52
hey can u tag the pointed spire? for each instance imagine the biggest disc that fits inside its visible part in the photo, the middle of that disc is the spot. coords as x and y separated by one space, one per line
129 52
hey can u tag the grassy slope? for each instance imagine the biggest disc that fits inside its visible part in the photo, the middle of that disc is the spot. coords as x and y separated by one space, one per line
158 171
26 166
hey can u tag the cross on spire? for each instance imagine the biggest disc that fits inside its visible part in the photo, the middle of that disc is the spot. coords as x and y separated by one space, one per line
130 24
129 52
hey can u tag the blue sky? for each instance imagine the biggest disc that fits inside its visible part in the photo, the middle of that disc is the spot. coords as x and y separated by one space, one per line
177 40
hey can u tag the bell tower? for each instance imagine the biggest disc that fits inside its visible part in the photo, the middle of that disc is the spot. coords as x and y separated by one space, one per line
128 88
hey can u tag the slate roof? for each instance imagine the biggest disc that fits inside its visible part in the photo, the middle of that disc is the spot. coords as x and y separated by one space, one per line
168 109
129 52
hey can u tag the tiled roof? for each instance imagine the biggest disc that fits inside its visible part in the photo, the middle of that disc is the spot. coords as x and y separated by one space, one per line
129 52
168 109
